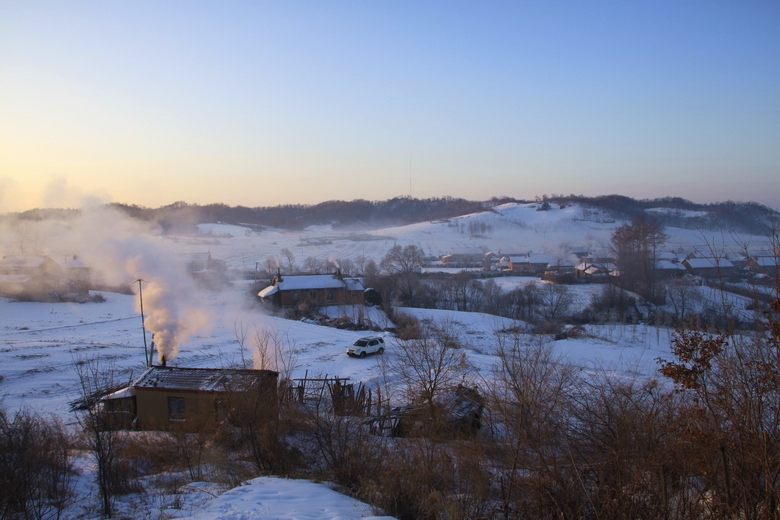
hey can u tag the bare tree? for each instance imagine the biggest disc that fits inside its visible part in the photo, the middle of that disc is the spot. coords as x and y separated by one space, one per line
100 434
35 472
402 266
313 265
732 386
530 394
290 259
635 246
556 301
683 295
402 260
431 365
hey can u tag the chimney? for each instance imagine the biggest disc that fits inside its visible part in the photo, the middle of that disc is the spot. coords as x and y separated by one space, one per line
279 275
338 274
163 361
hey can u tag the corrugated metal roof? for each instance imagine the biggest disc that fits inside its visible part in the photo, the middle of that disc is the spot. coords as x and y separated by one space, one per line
198 379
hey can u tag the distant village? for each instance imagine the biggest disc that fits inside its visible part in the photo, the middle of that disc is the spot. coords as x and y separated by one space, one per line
42 278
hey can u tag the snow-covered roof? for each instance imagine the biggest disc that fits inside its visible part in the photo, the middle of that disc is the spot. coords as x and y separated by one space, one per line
353 284
666 255
309 281
542 259
120 394
22 261
708 263
466 251
666 265
268 291
766 261
73 263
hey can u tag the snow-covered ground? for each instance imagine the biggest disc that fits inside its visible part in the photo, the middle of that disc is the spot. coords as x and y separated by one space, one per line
40 342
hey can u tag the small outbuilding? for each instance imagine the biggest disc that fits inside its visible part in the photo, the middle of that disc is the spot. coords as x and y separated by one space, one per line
167 397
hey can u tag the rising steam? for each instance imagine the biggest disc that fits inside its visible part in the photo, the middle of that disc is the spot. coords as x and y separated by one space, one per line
123 251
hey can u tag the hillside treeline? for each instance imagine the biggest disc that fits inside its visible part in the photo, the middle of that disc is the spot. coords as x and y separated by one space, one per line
749 217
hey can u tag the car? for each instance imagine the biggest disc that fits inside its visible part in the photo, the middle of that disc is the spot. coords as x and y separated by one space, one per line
368 345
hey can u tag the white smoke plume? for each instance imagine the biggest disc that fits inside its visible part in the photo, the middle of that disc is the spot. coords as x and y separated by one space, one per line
125 253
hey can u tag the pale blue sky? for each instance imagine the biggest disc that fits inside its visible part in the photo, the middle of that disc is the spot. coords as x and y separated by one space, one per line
298 102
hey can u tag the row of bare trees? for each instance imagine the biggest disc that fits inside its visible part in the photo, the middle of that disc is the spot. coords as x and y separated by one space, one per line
702 440
36 475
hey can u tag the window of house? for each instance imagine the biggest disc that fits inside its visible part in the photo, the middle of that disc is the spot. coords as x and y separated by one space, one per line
330 296
296 296
176 408
312 295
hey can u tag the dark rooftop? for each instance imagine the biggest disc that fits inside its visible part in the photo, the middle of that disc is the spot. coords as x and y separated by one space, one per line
200 379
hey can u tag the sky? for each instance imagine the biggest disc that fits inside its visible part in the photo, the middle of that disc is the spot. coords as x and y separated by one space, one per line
267 103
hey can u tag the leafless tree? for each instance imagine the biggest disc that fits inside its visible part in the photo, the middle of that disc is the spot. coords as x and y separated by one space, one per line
732 385
100 435
683 295
313 265
290 259
530 395
431 365
35 471
635 246
556 301
402 260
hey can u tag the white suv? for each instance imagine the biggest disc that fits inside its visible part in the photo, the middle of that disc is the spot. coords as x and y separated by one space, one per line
369 345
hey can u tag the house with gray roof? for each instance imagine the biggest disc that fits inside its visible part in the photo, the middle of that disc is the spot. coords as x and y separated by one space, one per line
163 397
313 290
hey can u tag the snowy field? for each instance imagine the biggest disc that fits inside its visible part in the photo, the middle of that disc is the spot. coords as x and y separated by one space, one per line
40 342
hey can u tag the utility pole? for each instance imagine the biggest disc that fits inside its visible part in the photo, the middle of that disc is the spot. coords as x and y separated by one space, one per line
147 356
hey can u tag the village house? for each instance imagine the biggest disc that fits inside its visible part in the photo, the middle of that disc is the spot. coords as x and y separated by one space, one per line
559 272
595 269
167 397
532 264
767 265
77 274
198 261
517 263
29 276
489 261
313 290
709 267
464 257
667 269
207 272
